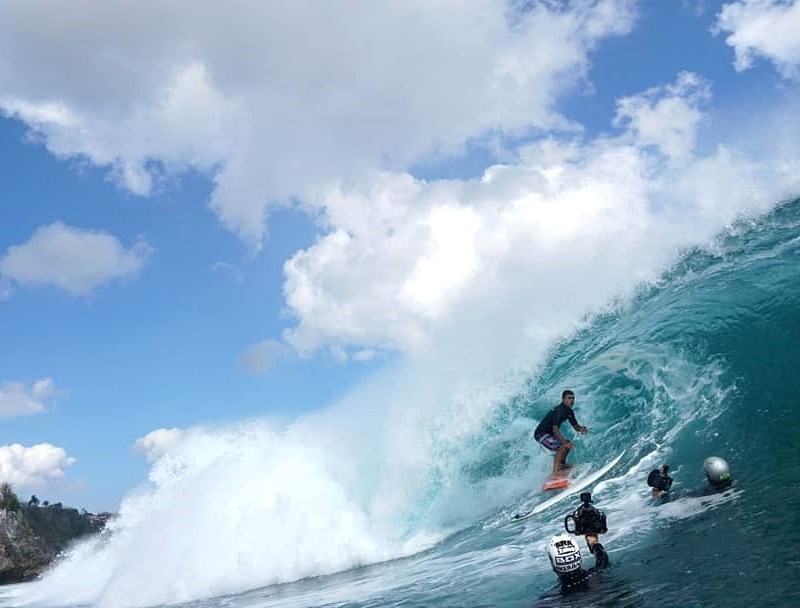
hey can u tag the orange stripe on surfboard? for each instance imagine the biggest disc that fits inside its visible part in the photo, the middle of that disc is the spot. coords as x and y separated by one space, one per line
555 484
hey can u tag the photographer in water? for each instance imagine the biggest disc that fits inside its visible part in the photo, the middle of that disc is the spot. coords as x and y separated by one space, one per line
717 471
565 554
659 481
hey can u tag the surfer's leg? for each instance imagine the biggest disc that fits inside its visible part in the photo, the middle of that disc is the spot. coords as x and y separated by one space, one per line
561 449
561 456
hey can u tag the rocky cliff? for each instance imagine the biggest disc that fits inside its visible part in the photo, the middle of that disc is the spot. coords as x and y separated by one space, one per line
32 536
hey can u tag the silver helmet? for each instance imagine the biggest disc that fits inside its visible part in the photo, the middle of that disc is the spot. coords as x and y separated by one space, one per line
564 554
717 471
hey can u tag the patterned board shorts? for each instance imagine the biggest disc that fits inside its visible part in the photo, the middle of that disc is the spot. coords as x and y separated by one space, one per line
551 442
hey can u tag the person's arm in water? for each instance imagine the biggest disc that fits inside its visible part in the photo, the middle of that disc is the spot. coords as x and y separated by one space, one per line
598 550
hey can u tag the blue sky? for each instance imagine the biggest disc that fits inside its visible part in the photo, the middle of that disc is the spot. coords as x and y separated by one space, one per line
125 361
220 223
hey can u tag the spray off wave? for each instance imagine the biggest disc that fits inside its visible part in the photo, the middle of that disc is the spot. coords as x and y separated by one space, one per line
228 510
414 460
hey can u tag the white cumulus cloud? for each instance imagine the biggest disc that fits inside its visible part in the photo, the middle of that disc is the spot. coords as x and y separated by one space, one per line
20 399
157 442
763 28
72 259
34 465
531 245
275 100
666 117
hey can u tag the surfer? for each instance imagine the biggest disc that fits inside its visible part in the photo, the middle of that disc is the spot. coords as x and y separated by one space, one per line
548 432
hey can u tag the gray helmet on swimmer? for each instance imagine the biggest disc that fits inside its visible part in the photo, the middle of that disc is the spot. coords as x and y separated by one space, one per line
564 554
717 471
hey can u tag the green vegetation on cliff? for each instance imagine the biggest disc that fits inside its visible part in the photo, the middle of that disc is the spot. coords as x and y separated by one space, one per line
33 534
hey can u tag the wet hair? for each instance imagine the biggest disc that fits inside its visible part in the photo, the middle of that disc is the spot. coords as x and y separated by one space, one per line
567 393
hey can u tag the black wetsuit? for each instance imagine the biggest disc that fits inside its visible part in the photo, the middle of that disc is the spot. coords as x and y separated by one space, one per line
578 581
555 417
584 581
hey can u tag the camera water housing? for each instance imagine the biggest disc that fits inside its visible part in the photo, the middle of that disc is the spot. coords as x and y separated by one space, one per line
659 480
586 519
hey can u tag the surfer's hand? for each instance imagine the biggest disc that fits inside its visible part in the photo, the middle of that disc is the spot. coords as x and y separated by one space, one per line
582 429
569 445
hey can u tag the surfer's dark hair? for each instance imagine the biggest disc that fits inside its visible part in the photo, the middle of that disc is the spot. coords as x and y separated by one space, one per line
567 393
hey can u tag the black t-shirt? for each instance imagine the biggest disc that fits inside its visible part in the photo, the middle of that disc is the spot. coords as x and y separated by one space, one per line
555 417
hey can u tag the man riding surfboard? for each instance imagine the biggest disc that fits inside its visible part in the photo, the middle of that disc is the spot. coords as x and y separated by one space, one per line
548 432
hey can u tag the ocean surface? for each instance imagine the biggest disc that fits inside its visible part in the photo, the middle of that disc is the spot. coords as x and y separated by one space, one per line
415 510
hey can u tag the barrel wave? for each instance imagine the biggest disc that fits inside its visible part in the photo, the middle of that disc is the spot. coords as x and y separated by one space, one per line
386 500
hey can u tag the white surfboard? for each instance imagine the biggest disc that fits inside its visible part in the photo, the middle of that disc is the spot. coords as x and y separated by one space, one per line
574 487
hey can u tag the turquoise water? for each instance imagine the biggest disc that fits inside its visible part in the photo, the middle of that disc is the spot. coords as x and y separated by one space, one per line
702 363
